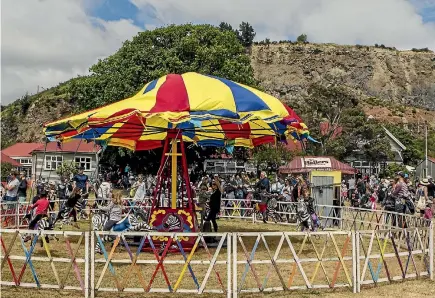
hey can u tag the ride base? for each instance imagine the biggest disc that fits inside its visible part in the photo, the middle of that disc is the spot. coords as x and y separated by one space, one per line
179 217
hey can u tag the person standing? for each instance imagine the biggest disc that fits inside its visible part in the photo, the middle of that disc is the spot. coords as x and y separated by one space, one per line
351 183
104 192
263 183
22 188
215 202
400 193
81 181
139 188
12 190
431 187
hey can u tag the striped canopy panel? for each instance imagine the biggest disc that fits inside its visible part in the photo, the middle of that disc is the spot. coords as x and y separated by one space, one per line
207 110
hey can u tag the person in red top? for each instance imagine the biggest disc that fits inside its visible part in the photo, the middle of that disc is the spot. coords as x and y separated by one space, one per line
41 206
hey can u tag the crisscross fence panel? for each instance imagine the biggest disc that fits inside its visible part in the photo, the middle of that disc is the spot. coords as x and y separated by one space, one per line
48 260
277 261
145 267
394 254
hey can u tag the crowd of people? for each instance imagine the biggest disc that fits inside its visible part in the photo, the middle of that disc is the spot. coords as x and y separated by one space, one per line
70 194
398 194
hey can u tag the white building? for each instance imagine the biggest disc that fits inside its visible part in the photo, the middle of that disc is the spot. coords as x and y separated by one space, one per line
46 159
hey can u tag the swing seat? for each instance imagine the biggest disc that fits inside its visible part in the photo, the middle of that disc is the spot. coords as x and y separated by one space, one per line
120 222
121 225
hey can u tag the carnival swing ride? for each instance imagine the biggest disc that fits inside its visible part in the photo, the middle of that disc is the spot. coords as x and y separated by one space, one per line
174 109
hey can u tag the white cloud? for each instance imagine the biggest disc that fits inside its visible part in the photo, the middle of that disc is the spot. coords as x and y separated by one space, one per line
49 41
45 42
391 22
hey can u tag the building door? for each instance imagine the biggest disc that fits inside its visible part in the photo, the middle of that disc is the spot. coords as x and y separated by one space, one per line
323 194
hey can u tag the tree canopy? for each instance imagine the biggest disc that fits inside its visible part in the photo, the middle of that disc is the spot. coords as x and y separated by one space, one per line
335 119
151 54
302 38
247 34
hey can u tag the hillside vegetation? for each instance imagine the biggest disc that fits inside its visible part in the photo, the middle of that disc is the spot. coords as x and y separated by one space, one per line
396 87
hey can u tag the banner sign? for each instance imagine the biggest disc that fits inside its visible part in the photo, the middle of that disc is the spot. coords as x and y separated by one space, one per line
316 162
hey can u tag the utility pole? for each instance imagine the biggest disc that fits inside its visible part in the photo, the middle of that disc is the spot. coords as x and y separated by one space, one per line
425 136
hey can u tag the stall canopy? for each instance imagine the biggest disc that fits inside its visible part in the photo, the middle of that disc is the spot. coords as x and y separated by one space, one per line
306 164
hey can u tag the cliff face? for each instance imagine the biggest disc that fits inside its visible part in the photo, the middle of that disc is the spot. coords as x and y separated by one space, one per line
401 77
394 86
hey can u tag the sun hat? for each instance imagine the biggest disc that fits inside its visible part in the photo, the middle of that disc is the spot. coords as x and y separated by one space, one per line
424 182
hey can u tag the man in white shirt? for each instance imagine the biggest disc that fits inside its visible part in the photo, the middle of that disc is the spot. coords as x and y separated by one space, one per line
12 190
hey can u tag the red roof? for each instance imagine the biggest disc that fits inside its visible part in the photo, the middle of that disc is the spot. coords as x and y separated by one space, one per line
432 159
21 149
7 159
298 165
79 146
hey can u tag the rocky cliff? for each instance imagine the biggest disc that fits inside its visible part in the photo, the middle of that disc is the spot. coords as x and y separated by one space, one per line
387 80
394 86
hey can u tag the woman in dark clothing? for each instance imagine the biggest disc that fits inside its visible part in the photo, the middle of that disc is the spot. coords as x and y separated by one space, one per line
215 203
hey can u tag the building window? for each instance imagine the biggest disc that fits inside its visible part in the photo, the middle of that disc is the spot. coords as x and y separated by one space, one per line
26 161
52 162
84 162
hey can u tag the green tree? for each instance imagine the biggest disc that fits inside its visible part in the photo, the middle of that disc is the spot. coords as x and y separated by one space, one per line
66 169
5 170
247 34
392 169
414 152
345 128
151 54
225 26
302 38
272 155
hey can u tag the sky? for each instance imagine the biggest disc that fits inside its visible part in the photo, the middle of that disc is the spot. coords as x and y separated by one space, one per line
44 42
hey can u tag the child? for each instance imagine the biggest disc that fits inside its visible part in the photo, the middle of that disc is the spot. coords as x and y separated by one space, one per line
114 211
428 211
41 206
310 208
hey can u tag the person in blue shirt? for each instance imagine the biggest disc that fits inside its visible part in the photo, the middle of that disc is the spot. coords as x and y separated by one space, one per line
81 182
264 183
127 169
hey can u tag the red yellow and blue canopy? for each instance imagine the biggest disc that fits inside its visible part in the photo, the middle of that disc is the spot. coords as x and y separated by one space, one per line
207 110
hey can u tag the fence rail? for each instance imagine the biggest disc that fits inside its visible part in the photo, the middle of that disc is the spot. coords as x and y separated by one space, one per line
344 218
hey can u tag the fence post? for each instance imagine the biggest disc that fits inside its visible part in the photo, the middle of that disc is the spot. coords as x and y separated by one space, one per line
354 262
234 265
87 261
229 263
17 216
358 261
431 251
92 264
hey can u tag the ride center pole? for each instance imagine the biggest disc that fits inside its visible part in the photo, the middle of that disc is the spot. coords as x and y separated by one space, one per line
174 154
